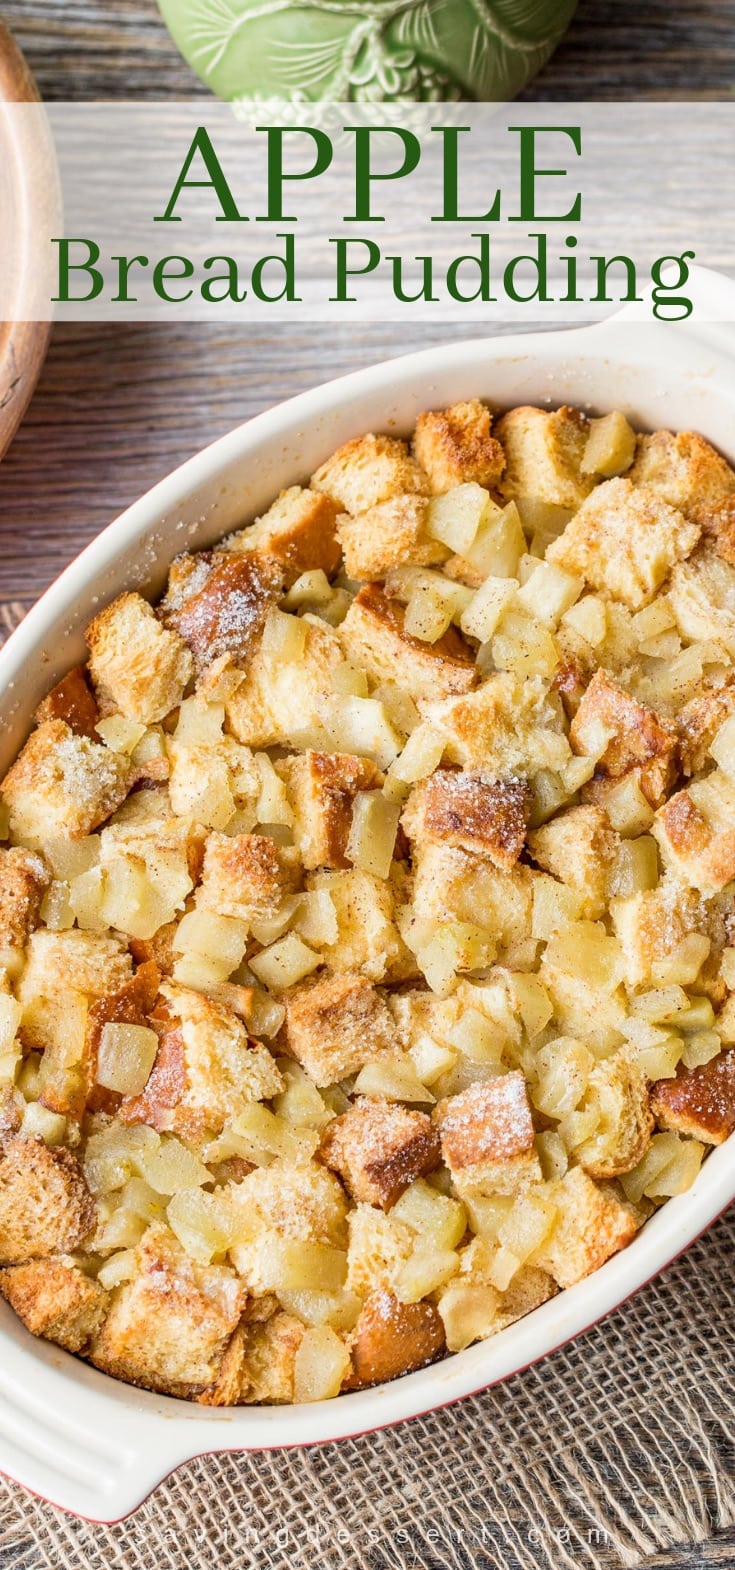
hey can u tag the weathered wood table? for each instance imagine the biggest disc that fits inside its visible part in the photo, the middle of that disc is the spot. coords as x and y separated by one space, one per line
117 407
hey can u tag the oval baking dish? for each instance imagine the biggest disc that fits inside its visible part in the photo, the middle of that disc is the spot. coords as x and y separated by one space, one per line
86 1442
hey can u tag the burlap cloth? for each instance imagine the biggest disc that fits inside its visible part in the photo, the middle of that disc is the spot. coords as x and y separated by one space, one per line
608 1452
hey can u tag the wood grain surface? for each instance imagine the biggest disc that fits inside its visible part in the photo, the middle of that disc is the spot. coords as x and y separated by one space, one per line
117 407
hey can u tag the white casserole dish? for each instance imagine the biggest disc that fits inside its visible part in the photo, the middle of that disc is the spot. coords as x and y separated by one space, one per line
88 1443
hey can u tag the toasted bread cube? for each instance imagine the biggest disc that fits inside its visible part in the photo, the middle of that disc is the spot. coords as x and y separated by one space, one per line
63 784
55 1299
695 830
336 1024
467 811
379 1247
374 638
221 606
592 1225
285 703
138 667
455 446
699 1102
638 739
247 876
387 535
379 1147
617 1090
298 531
24 878
45 1205
650 926
702 595
392 1338
58 962
322 787
306 1203
578 846
367 940
544 450
72 701
370 470
168 1328
700 720
624 541
453 885
207 1071
507 727
487 1136
683 468
293 1228
269 1361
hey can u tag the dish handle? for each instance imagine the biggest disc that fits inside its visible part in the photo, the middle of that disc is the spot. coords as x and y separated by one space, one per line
712 319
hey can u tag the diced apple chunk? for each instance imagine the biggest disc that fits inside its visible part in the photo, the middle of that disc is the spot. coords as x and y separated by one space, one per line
125 1057
321 1363
610 448
285 962
455 517
372 837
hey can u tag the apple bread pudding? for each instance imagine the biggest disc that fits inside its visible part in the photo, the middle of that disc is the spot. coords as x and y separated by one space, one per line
367 912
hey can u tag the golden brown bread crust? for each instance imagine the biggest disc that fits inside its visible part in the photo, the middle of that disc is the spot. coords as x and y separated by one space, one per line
465 810
543 450
370 470
455 446
578 847
387 535
139 668
62 784
373 636
72 701
56 1300
378 1148
45 1205
624 540
207 1070
639 739
699 1102
593 1223
322 787
225 613
684 468
392 1338
334 1025
246 876
696 834
168 1329
298 531
505 728
698 722
487 1134
24 879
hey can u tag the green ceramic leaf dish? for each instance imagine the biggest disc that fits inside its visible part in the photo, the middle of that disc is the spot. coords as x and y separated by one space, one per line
366 50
